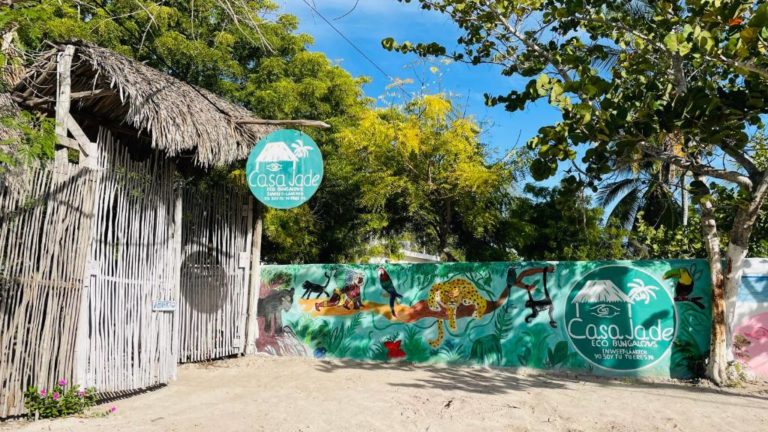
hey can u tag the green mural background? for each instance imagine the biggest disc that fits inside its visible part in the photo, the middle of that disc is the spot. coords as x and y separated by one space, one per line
345 311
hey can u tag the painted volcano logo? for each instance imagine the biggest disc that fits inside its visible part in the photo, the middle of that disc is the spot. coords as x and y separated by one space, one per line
620 318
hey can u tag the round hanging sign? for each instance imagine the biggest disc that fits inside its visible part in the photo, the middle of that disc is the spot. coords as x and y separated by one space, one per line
284 169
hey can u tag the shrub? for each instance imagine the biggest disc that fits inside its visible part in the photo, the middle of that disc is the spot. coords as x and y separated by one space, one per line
59 401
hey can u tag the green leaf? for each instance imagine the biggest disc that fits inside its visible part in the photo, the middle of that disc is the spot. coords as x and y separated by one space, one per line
388 43
541 170
542 84
670 41
749 34
760 18
684 48
706 41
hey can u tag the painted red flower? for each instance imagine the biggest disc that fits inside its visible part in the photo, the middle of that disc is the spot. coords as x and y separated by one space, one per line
393 349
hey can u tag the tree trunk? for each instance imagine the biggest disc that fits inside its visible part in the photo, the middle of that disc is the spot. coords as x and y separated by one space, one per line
684 198
446 230
741 232
716 368
734 264
252 319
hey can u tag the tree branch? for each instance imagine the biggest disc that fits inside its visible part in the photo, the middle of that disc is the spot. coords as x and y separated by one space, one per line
305 123
742 159
528 43
696 168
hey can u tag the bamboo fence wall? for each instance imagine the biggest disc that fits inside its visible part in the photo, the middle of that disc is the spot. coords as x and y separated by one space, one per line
214 274
44 236
133 263
86 253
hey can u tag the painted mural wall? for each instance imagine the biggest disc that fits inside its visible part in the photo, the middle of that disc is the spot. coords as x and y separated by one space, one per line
751 317
641 318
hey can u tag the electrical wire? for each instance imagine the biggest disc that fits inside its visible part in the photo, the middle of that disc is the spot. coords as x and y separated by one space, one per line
353 45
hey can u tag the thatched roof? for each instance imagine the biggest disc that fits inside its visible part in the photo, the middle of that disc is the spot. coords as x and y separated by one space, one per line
179 117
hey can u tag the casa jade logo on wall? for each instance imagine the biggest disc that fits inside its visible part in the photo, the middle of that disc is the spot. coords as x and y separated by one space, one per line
620 318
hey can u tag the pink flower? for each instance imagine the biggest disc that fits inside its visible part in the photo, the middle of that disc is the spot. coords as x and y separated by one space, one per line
81 393
55 396
112 410
43 393
62 382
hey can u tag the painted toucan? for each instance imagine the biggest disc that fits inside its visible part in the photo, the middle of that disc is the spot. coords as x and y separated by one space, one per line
684 287
389 287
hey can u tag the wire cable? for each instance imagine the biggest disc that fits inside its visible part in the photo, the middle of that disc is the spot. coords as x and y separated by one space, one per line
353 45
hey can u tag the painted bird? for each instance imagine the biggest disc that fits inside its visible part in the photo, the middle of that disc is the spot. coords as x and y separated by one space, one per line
684 287
386 285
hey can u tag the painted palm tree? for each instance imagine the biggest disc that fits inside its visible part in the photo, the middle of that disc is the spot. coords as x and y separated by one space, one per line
640 292
300 149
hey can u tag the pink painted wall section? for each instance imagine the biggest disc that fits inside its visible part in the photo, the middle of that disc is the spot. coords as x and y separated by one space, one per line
751 321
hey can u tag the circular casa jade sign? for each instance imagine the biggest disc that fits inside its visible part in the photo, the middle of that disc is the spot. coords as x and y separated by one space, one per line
284 169
620 318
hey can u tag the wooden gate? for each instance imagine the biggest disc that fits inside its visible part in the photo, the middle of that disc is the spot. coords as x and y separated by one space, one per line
133 265
44 234
216 236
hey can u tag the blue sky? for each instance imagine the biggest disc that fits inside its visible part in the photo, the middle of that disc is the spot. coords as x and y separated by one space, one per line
373 20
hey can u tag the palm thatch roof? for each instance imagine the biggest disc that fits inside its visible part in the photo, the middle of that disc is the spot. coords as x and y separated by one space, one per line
180 118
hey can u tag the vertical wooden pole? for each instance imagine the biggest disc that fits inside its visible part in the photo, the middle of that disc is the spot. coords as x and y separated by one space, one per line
252 321
82 335
63 91
177 250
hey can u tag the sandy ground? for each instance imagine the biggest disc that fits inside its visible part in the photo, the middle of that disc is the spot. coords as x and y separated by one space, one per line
294 394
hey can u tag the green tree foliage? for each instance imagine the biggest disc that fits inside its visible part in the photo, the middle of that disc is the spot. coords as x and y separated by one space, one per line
729 202
244 51
25 138
651 241
228 47
421 169
560 224
646 188
698 66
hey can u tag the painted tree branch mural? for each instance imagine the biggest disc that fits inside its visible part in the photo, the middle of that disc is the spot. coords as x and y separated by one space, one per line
403 313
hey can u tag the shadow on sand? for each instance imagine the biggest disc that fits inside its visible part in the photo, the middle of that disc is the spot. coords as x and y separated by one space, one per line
490 381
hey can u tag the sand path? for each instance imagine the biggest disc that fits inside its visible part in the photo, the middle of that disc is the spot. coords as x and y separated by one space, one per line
295 394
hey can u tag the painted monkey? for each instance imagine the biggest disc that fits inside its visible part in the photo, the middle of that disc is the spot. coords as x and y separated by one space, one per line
271 308
535 305
353 290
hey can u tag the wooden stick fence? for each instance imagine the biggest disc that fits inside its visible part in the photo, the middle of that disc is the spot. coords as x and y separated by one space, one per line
133 263
214 273
86 253
43 249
